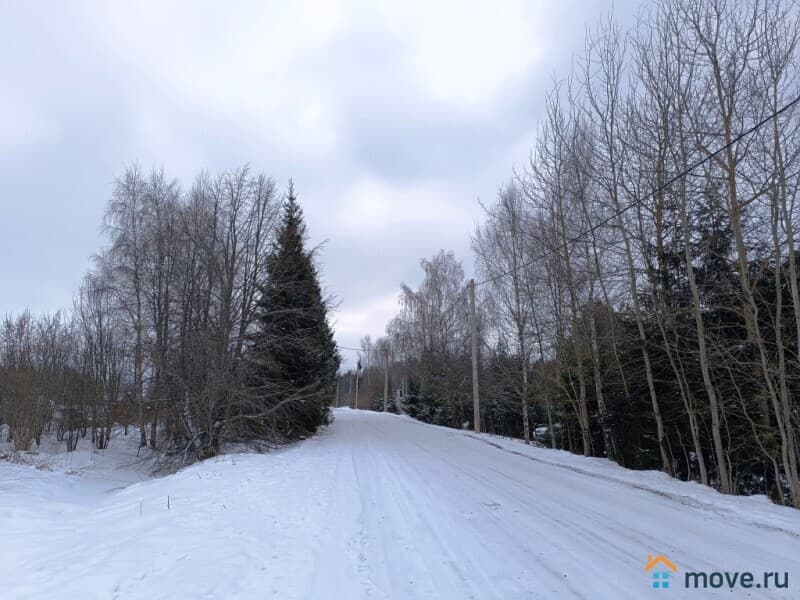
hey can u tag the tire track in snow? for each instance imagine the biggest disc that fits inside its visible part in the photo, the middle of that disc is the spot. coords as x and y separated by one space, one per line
585 527
681 499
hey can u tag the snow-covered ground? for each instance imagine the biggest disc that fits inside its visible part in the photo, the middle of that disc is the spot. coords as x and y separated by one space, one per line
89 470
378 506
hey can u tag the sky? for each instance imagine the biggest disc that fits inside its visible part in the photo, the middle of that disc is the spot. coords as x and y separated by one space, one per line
392 118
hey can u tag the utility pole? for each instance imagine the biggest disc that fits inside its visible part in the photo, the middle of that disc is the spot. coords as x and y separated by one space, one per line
337 390
476 403
358 368
386 379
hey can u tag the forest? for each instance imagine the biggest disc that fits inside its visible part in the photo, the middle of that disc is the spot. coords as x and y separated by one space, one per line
637 280
495 299
189 329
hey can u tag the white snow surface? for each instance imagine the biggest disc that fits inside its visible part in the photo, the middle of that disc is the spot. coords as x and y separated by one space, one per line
376 506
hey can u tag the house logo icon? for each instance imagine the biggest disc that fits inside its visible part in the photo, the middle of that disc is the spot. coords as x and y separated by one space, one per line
660 570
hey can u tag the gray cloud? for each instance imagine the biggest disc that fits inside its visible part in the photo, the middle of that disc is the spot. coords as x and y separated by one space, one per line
392 119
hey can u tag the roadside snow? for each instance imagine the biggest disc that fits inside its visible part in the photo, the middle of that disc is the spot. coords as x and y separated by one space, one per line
116 467
379 506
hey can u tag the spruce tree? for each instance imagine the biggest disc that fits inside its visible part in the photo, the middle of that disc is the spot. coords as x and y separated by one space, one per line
294 357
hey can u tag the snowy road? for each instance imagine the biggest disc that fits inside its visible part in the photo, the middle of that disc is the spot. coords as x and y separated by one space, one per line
381 506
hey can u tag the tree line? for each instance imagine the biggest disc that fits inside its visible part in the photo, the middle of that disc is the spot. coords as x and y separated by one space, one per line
190 327
637 286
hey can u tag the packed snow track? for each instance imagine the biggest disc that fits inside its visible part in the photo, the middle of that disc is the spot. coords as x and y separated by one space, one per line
382 506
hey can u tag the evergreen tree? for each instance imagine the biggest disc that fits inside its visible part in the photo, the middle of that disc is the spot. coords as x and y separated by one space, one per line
294 357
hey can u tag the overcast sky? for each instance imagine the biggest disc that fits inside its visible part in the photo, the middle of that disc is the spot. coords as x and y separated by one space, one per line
392 119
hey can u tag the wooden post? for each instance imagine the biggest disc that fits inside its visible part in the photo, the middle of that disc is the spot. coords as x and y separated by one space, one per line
386 379
355 400
476 403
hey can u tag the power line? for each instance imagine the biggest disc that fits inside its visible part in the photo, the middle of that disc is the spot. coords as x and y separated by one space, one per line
616 214
455 300
356 349
638 201
340 347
